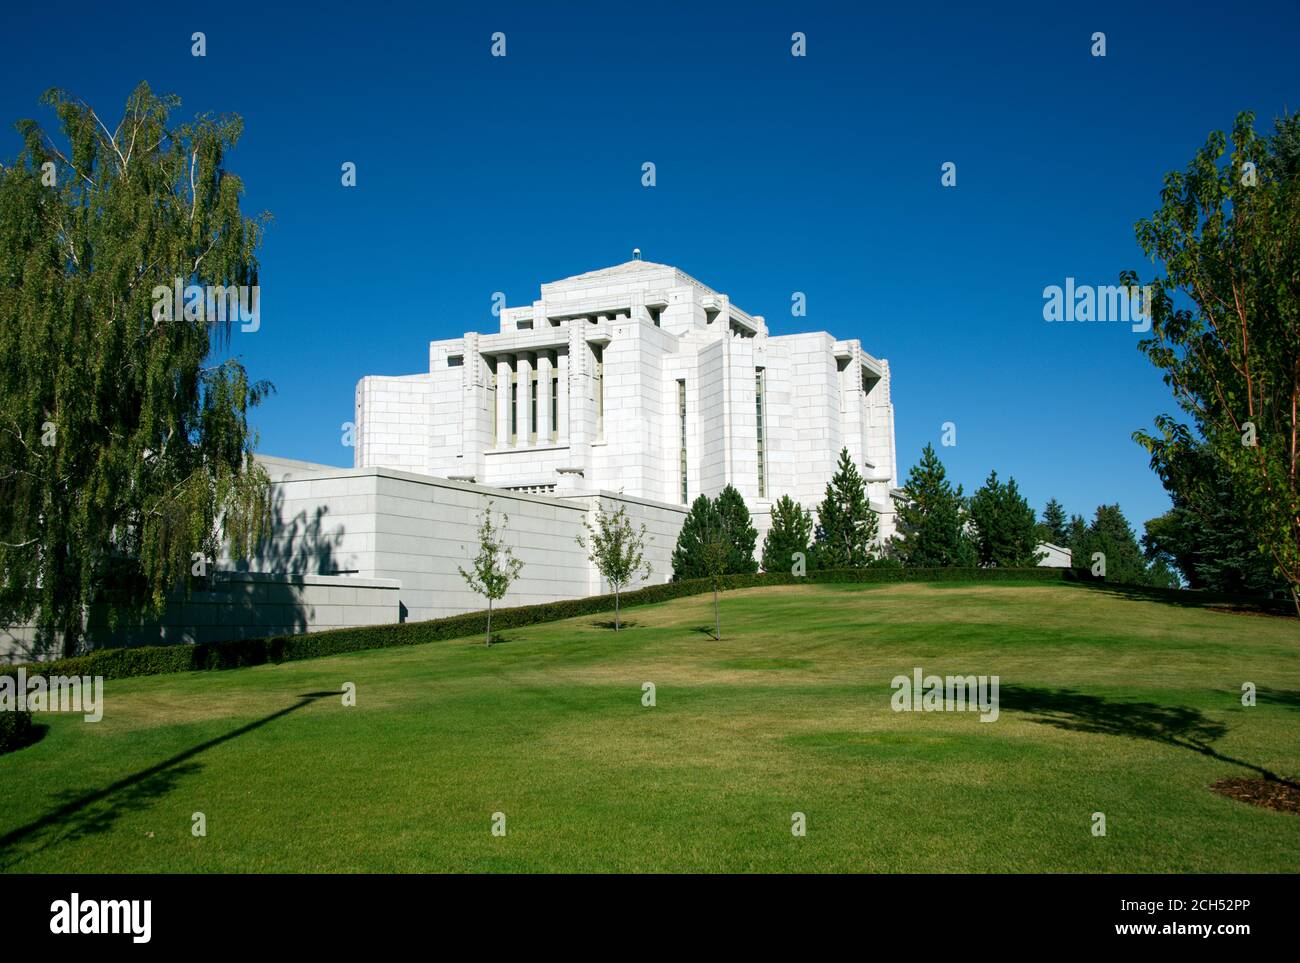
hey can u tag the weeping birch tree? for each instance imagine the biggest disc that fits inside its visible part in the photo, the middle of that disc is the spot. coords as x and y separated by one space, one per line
125 448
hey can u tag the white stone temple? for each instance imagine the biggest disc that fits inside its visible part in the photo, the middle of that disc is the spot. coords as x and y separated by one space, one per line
637 378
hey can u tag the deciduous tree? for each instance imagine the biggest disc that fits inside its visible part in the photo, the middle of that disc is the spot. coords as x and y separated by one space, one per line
617 549
1225 322
125 448
495 566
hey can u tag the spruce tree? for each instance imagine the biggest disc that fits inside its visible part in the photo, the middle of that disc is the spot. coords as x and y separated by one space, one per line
1005 533
1112 536
741 534
689 553
931 518
846 531
791 529
1053 528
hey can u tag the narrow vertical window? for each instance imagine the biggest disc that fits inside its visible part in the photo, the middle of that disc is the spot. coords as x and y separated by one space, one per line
600 392
514 408
681 417
532 405
555 406
758 412
492 390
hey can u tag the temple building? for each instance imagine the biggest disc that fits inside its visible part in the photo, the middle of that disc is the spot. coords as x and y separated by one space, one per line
637 378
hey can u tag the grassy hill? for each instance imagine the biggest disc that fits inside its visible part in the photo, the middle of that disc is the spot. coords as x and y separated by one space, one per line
1108 704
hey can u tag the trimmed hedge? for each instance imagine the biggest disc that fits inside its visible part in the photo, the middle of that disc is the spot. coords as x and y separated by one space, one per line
122 663
15 730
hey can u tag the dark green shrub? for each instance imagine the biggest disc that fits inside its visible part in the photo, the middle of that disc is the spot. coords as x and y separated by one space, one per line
15 730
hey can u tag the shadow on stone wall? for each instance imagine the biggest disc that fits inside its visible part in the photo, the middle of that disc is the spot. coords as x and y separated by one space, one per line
221 605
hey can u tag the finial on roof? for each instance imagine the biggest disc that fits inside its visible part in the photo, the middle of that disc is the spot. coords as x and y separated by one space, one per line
636 254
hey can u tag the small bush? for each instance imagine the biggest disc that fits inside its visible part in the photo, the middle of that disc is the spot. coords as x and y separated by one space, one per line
15 730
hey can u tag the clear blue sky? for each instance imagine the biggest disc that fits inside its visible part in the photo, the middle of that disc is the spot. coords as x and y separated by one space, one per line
775 174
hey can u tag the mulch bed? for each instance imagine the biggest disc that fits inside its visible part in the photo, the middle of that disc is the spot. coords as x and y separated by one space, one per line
1282 795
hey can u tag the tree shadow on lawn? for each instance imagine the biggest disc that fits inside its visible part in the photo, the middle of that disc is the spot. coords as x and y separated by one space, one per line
1286 698
1177 726
609 624
95 812
1186 598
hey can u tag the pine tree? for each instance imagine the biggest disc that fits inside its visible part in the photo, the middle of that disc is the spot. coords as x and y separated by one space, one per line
845 536
1075 533
736 520
688 554
122 440
931 518
1111 535
1006 535
1053 528
791 529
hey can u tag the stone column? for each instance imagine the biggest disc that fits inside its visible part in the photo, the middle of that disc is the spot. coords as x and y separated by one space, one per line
582 403
475 428
543 397
503 400
523 371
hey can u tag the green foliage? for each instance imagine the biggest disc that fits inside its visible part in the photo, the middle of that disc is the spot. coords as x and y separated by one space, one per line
1054 527
1225 324
1075 533
495 565
688 554
616 549
1005 530
15 730
932 518
741 534
1202 536
845 536
790 532
121 444
1111 535
725 518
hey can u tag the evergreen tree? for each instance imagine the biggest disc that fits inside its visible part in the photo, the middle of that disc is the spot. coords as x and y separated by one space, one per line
1204 535
1075 533
791 529
1006 535
1112 536
931 518
845 536
125 449
688 554
1053 527
741 534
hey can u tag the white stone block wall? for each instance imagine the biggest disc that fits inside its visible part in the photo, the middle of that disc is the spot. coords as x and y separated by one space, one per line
393 420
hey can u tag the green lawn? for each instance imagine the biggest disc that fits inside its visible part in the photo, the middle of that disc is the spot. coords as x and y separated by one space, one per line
1110 704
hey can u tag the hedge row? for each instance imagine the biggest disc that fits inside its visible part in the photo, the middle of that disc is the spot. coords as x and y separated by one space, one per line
122 663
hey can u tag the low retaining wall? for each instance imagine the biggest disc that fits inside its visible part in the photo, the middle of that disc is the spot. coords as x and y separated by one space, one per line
240 605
